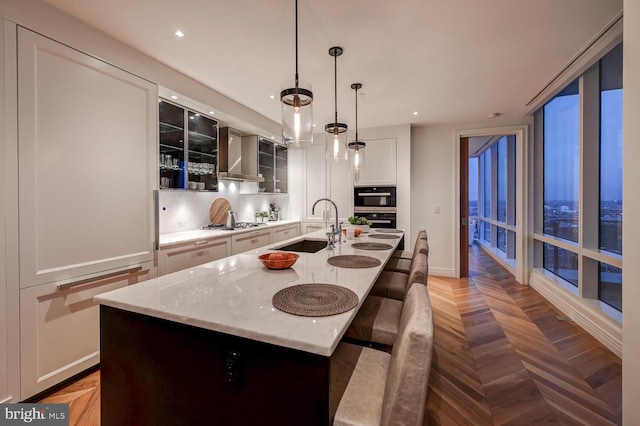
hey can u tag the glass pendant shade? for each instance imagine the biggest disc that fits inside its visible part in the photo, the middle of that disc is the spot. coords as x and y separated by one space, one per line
357 147
356 155
297 114
336 147
336 134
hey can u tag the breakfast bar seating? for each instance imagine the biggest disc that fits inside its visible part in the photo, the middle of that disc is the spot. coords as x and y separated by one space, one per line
401 259
378 320
394 285
371 387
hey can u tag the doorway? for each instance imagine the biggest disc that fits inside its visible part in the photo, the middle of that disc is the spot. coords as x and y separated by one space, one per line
491 192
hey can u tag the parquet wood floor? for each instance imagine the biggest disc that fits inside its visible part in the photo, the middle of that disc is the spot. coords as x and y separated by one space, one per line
500 357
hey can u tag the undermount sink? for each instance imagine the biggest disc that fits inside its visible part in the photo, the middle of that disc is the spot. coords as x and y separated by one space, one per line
306 246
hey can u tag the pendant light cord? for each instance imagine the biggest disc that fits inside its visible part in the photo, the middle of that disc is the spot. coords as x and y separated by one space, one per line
296 44
335 85
357 116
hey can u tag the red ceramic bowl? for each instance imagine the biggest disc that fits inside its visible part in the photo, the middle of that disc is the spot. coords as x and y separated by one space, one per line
278 260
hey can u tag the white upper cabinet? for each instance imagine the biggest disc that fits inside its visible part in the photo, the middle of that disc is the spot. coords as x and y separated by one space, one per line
380 163
87 163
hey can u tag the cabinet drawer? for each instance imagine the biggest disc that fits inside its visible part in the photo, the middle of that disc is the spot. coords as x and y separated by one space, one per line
250 241
194 254
284 233
60 329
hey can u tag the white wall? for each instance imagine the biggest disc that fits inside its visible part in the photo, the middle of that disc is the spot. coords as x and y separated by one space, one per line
433 152
631 211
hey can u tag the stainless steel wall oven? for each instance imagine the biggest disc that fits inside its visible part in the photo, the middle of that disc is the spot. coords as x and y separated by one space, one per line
374 196
377 204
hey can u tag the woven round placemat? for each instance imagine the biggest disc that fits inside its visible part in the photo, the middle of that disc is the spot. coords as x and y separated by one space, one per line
384 236
371 246
315 300
389 231
353 261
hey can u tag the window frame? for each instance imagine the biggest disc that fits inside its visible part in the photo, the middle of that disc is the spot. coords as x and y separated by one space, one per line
587 247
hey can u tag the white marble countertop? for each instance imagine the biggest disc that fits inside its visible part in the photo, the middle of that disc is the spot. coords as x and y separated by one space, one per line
199 234
233 295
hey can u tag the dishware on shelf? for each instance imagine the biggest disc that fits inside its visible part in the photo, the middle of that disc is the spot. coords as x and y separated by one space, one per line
200 186
278 260
192 185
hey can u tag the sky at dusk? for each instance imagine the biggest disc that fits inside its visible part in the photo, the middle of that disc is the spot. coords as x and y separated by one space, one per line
562 149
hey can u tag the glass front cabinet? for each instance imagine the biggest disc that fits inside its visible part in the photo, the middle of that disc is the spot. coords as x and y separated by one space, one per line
272 163
188 148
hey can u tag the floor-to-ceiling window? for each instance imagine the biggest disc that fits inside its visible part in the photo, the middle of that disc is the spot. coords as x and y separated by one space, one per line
498 198
578 238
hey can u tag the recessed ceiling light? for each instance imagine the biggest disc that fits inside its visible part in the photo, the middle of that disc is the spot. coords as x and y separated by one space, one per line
179 34
415 112
174 97
272 96
211 112
273 137
314 125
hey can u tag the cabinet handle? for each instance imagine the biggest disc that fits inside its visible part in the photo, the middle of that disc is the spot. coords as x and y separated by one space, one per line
71 284
199 243
376 194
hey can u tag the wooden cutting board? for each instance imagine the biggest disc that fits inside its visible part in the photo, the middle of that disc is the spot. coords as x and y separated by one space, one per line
219 210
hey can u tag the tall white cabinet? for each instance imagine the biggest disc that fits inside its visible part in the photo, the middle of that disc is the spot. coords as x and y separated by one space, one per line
324 179
87 151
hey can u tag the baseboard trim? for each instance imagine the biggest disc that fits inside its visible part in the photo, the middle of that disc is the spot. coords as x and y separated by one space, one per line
598 324
442 272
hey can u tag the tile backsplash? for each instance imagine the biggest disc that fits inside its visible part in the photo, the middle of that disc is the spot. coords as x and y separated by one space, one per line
189 210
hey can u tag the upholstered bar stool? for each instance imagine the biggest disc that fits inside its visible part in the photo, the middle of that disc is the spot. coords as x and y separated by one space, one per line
376 322
393 285
371 387
407 254
397 264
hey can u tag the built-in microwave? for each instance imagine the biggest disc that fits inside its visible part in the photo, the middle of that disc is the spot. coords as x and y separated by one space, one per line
374 196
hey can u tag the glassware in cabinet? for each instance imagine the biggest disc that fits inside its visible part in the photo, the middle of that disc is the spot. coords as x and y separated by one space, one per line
188 148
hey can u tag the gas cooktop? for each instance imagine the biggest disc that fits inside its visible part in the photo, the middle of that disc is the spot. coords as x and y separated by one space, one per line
239 225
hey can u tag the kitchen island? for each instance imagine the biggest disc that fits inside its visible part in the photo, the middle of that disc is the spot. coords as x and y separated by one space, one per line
207 346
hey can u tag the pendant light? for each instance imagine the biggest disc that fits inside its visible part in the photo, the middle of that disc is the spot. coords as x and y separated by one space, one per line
297 111
336 131
356 148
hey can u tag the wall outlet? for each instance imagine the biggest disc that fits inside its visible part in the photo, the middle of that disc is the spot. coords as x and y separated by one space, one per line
182 224
436 210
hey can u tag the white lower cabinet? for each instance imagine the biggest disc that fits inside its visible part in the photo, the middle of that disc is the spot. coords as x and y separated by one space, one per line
188 255
60 326
250 241
284 232
312 226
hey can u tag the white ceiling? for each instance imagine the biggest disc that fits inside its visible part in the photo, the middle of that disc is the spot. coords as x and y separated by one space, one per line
452 61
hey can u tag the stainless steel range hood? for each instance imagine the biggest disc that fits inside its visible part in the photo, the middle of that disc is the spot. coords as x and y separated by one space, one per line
230 164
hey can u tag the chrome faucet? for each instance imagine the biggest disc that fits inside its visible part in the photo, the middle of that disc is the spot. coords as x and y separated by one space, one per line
335 229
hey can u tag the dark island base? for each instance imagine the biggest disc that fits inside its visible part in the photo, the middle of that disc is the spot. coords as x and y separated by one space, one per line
158 372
